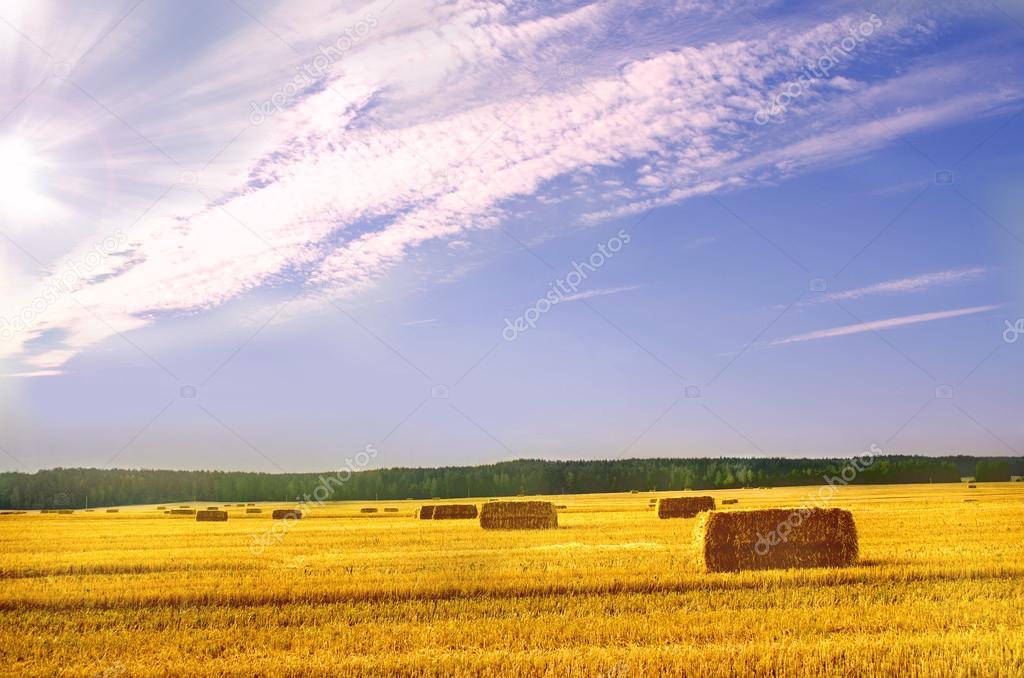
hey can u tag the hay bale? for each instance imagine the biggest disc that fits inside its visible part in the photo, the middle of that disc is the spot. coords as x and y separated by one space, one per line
518 515
212 508
183 506
634 491
368 509
684 507
241 505
729 502
425 513
455 512
109 510
560 506
286 514
65 512
390 509
763 539
161 508
253 510
250 504
211 516
182 512
972 486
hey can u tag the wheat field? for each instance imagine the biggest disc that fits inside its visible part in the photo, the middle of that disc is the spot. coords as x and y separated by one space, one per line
613 591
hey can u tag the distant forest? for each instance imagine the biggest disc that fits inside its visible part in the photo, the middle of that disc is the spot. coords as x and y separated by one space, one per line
78 487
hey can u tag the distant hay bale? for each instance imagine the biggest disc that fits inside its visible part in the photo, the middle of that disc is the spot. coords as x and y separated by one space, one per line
250 504
182 512
972 486
762 539
425 513
253 510
183 506
161 508
65 512
684 507
967 501
390 509
211 516
241 505
110 510
212 508
455 512
286 514
729 502
368 509
518 515
634 491
560 506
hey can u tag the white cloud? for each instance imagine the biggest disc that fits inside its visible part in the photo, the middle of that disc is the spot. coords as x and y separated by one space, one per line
877 325
412 141
600 292
918 283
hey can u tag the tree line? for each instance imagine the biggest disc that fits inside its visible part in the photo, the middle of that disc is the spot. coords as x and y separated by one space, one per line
81 487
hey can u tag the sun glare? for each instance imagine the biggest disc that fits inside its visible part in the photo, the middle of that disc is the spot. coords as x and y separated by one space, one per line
21 196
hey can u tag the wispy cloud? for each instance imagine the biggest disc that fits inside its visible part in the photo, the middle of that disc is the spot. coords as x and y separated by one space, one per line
918 283
877 325
417 323
601 292
390 154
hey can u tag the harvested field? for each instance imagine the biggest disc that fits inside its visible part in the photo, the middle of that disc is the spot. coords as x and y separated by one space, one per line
935 592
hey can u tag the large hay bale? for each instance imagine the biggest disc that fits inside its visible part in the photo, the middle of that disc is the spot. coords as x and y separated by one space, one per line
518 515
211 516
425 513
286 514
684 507
763 539
455 512
368 509
182 512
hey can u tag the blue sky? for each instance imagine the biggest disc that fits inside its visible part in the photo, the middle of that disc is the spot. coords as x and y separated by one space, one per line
259 235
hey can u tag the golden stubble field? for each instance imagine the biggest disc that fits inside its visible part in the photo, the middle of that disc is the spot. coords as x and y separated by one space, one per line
939 590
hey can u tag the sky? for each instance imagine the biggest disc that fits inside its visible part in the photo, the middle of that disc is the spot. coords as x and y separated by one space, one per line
259 235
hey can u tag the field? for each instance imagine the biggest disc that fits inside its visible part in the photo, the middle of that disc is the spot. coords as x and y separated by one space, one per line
613 591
